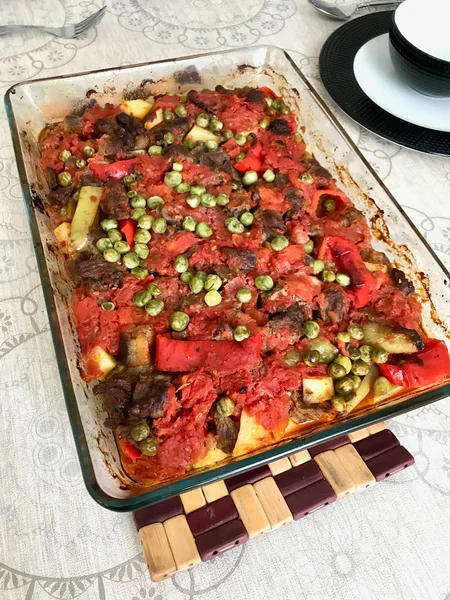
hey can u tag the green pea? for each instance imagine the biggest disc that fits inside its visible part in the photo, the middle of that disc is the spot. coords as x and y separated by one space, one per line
155 150
234 225
122 247
114 235
277 103
279 243
343 279
146 222
142 236
198 190
212 282
240 139
329 205
65 178
154 289
306 178
240 157
111 255
309 247
193 201
225 406
242 332
360 367
128 180
181 111
246 218
202 274
179 321
269 176
181 264
208 200
355 380
244 295
64 155
328 276
177 166
189 144
365 352
138 202
183 188
154 307
311 329
211 145
356 331
189 223
140 431
339 403
168 115
196 284
137 213
312 357
379 355
108 306
272 112
80 163
108 224
298 137
222 199
149 446
159 225
103 244
141 250
250 177
215 125
88 151
336 371
227 134
264 123
202 120
344 385
203 230
186 277
141 298
140 273
343 336
318 266
173 178
353 351
131 259
213 298
345 362
264 283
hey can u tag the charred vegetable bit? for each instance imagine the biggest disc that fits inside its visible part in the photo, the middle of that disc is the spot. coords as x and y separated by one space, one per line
224 286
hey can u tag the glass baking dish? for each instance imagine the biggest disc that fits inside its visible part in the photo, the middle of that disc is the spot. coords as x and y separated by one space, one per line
33 104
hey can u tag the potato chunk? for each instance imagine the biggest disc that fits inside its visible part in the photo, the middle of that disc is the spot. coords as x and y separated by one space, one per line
136 108
317 389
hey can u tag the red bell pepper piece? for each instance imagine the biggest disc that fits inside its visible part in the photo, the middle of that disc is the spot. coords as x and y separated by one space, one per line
252 162
148 279
339 197
128 228
129 450
116 170
424 368
268 92
348 260
183 356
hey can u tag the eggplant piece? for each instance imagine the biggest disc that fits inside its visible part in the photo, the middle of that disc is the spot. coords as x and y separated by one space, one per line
227 433
303 413
395 340
136 346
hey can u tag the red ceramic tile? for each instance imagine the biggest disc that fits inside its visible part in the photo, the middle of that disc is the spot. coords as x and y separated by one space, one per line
212 515
375 444
221 539
159 512
248 477
299 477
305 501
329 445
390 462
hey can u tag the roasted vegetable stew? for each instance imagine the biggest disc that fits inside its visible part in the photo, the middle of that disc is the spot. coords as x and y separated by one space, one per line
226 291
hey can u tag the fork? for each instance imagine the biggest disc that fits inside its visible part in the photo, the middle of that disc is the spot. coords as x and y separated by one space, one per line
68 31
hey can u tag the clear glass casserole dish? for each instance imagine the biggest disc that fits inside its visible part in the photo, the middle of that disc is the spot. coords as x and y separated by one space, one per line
32 105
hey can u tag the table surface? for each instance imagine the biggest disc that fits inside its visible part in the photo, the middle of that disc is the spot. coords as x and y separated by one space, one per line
55 542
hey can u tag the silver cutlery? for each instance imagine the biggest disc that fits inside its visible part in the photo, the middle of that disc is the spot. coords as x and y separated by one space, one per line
344 12
68 31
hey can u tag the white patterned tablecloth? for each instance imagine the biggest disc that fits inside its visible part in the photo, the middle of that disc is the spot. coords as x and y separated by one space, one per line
392 542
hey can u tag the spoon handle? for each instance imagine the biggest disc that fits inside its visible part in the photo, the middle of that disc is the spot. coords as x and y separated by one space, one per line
379 3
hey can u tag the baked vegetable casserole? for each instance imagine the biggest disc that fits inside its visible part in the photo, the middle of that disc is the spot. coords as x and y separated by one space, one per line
227 294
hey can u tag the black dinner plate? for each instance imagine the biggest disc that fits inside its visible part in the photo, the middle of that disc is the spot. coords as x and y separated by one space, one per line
336 70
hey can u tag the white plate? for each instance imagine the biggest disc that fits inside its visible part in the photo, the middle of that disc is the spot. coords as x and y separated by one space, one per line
379 80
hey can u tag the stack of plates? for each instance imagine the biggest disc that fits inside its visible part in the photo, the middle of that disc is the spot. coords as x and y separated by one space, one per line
357 71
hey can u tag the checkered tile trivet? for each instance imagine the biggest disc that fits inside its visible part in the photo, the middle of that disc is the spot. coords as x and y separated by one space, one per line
196 526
